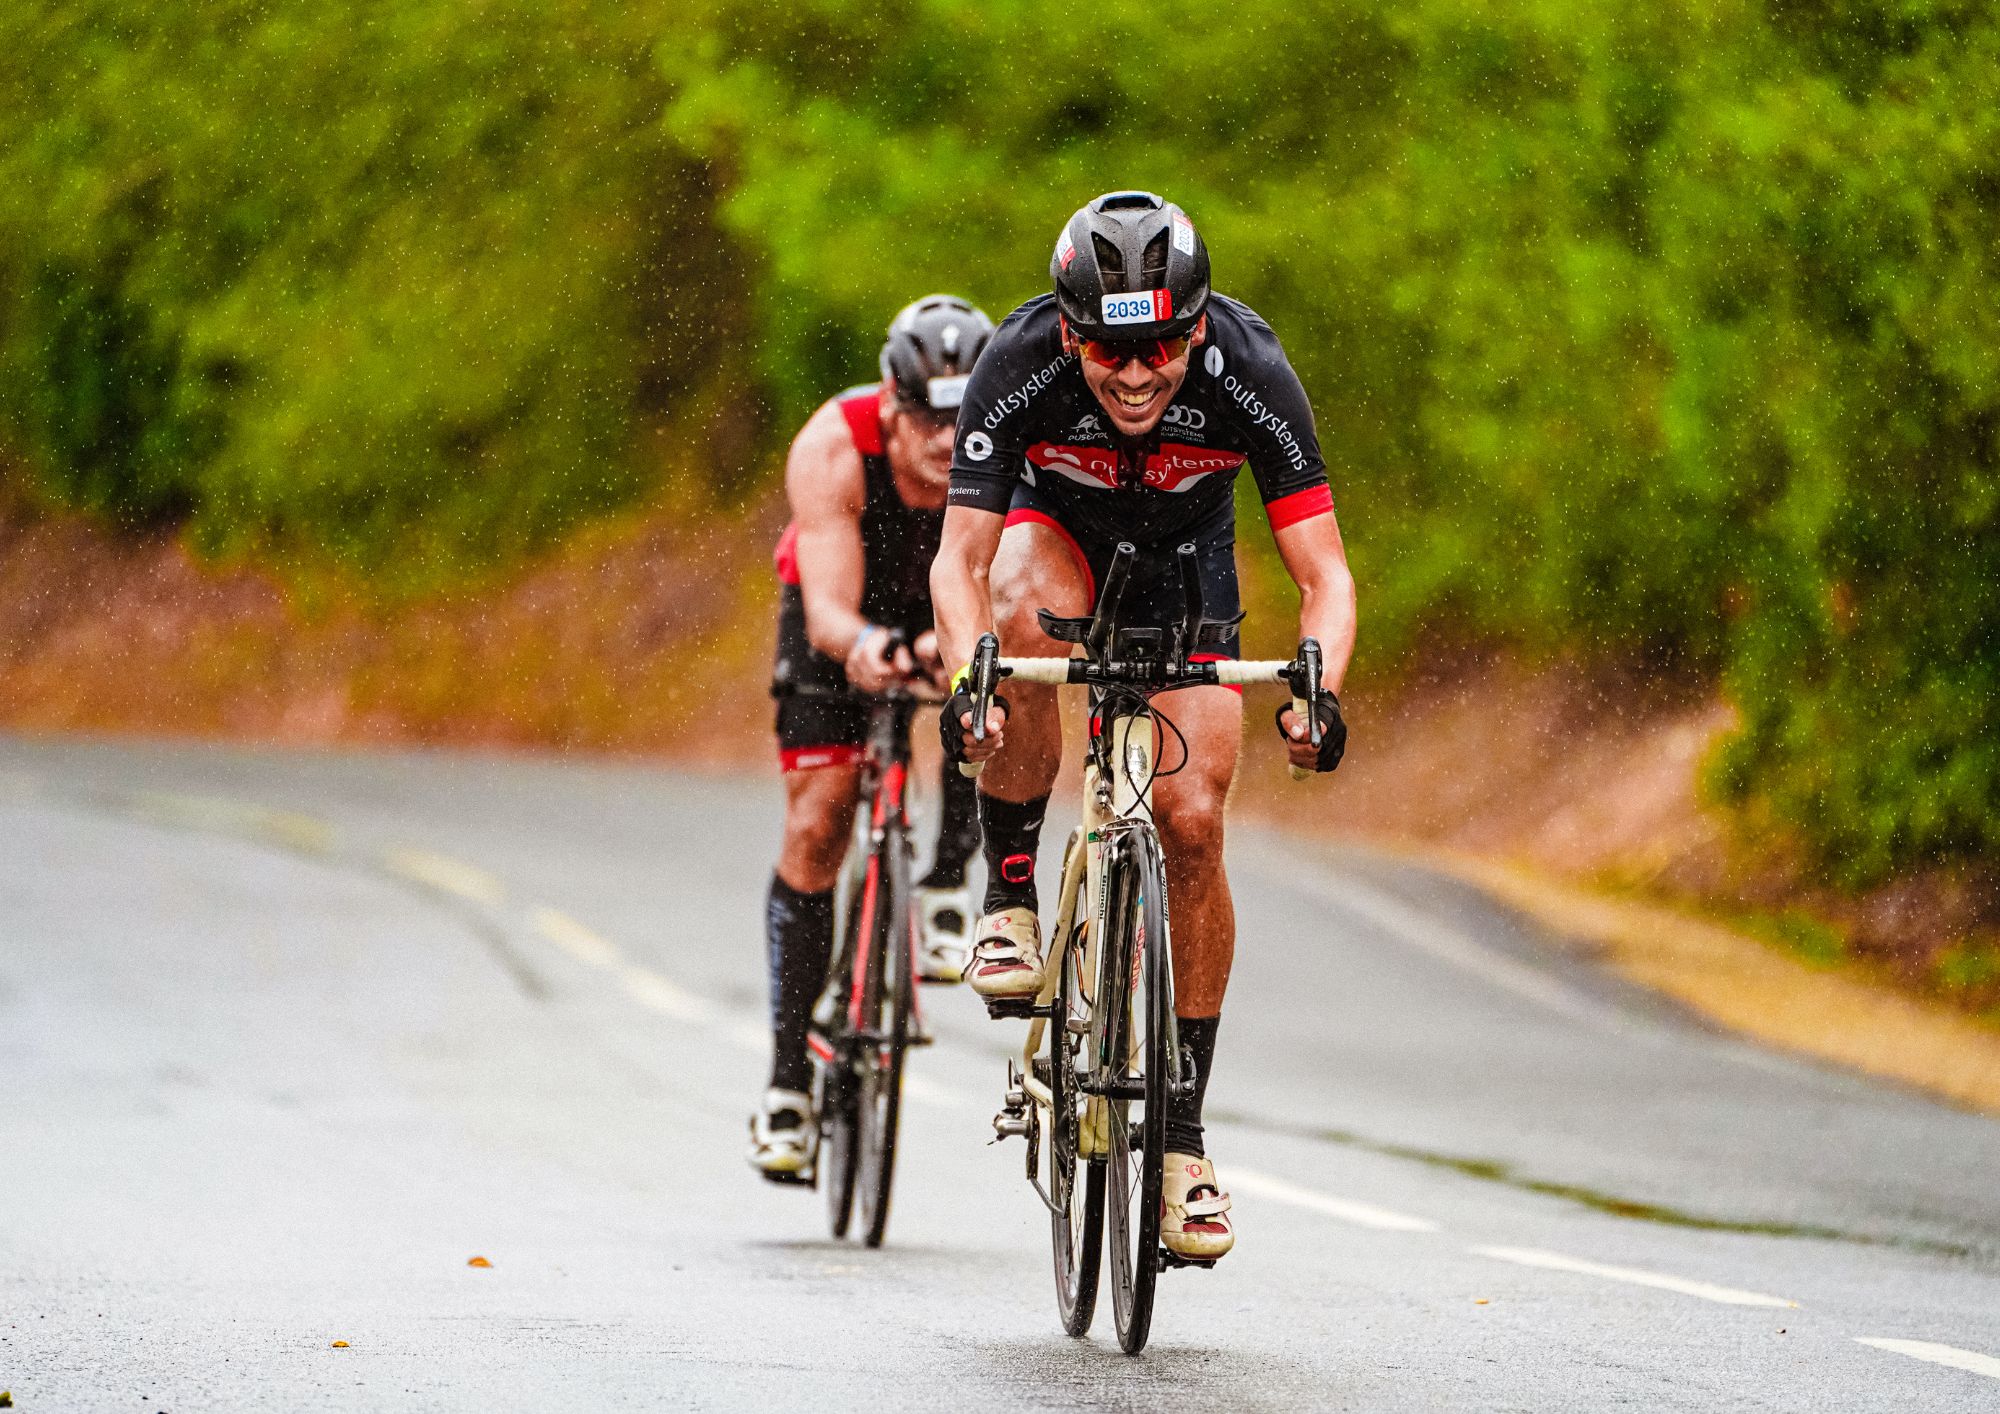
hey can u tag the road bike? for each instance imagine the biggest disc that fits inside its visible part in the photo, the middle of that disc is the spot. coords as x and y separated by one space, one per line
869 1016
1090 1088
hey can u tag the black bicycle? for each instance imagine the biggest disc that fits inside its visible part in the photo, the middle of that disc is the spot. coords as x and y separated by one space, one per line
868 1015
1089 1091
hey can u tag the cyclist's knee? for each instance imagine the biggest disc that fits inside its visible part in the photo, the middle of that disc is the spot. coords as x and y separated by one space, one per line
1191 825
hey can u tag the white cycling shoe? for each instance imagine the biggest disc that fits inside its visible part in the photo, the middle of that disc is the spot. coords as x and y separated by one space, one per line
1007 959
944 917
1195 1223
784 1134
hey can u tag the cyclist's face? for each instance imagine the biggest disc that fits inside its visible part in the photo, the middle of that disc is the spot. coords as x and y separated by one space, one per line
919 438
1134 396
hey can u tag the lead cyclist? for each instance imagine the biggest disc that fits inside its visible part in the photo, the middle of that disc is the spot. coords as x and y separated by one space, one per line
1120 407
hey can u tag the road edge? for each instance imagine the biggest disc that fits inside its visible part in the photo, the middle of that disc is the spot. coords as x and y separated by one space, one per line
1745 985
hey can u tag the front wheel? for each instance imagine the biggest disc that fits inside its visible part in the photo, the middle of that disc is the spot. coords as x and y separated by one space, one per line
1137 989
1075 1182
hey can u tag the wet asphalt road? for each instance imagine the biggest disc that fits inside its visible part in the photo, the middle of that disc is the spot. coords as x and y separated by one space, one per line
286 1040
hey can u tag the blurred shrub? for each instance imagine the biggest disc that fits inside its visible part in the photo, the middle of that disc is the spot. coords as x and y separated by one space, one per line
1669 330
373 286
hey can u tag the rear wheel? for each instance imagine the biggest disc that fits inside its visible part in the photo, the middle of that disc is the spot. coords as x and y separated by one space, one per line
885 1012
1075 1184
1136 971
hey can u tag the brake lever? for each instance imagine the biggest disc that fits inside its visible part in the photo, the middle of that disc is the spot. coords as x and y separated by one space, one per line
1307 673
982 681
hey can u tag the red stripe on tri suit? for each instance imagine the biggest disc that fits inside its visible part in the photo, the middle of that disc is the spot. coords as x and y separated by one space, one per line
786 556
1300 505
807 758
864 421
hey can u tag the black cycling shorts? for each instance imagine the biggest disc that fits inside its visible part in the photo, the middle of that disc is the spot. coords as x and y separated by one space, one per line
813 730
1153 592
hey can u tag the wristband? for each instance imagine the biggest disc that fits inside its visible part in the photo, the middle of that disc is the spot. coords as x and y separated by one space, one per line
862 637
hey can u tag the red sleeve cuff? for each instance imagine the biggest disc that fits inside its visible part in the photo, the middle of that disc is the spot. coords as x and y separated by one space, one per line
1300 505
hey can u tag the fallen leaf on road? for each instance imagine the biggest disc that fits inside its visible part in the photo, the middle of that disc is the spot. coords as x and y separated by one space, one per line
6 1399
340 1345
1480 1301
477 1262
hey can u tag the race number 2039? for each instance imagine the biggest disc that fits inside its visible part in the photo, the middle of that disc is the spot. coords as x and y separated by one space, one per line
1145 307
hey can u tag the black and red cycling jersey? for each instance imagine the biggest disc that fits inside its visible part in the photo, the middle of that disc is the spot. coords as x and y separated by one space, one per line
1028 417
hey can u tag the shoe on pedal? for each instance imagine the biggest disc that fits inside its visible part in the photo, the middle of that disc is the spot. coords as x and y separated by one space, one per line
1195 1224
945 919
1007 958
783 1135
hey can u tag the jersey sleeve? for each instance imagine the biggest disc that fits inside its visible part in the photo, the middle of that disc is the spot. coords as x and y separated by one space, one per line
993 421
1269 407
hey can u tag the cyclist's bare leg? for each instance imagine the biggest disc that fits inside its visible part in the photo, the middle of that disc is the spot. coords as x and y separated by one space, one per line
1034 569
819 812
1187 807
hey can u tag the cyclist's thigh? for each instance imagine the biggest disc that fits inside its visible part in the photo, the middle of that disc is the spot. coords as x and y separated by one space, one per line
1039 566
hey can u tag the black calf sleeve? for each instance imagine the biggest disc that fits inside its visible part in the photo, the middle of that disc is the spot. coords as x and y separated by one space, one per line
1011 834
958 831
1184 1115
799 929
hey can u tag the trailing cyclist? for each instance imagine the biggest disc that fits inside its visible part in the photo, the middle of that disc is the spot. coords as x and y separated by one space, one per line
865 480
1120 408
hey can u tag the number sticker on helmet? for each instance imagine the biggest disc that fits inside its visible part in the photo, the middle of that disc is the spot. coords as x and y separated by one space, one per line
1065 250
948 392
1145 307
1183 234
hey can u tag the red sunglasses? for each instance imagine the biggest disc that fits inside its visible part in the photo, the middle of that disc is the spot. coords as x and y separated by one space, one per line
1154 353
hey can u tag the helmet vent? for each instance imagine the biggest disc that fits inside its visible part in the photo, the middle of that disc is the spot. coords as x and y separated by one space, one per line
1110 259
1129 201
1153 264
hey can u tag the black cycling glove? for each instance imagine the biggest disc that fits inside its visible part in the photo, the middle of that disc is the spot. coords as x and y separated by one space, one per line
951 729
1332 730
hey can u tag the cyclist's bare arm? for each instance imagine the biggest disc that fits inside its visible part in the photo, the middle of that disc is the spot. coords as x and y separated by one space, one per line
1316 560
827 488
961 598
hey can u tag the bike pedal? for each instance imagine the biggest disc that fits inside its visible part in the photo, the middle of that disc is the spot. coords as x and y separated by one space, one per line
807 1179
1014 1009
1170 1259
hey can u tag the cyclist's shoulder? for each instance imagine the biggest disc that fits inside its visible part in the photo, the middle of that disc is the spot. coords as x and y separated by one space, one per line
1029 337
1236 330
824 469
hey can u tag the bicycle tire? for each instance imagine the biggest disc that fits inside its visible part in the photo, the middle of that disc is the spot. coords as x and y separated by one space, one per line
1137 984
839 1151
886 1014
1076 1221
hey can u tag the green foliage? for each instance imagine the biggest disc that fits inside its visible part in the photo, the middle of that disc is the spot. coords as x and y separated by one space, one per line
365 283
1668 330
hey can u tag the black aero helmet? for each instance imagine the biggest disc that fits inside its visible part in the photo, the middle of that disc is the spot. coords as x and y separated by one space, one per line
932 346
1130 266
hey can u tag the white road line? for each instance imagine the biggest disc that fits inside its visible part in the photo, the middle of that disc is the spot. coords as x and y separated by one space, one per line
575 939
650 989
1263 1185
451 875
1556 1262
1938 1354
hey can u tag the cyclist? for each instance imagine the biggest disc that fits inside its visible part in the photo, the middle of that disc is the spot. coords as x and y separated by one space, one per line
866 481
1120 407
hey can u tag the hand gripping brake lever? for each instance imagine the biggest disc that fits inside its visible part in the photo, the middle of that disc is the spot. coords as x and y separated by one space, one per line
1306 675
982 680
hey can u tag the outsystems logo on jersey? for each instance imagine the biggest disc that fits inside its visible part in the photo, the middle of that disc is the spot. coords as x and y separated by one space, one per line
1280 430
1019 399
